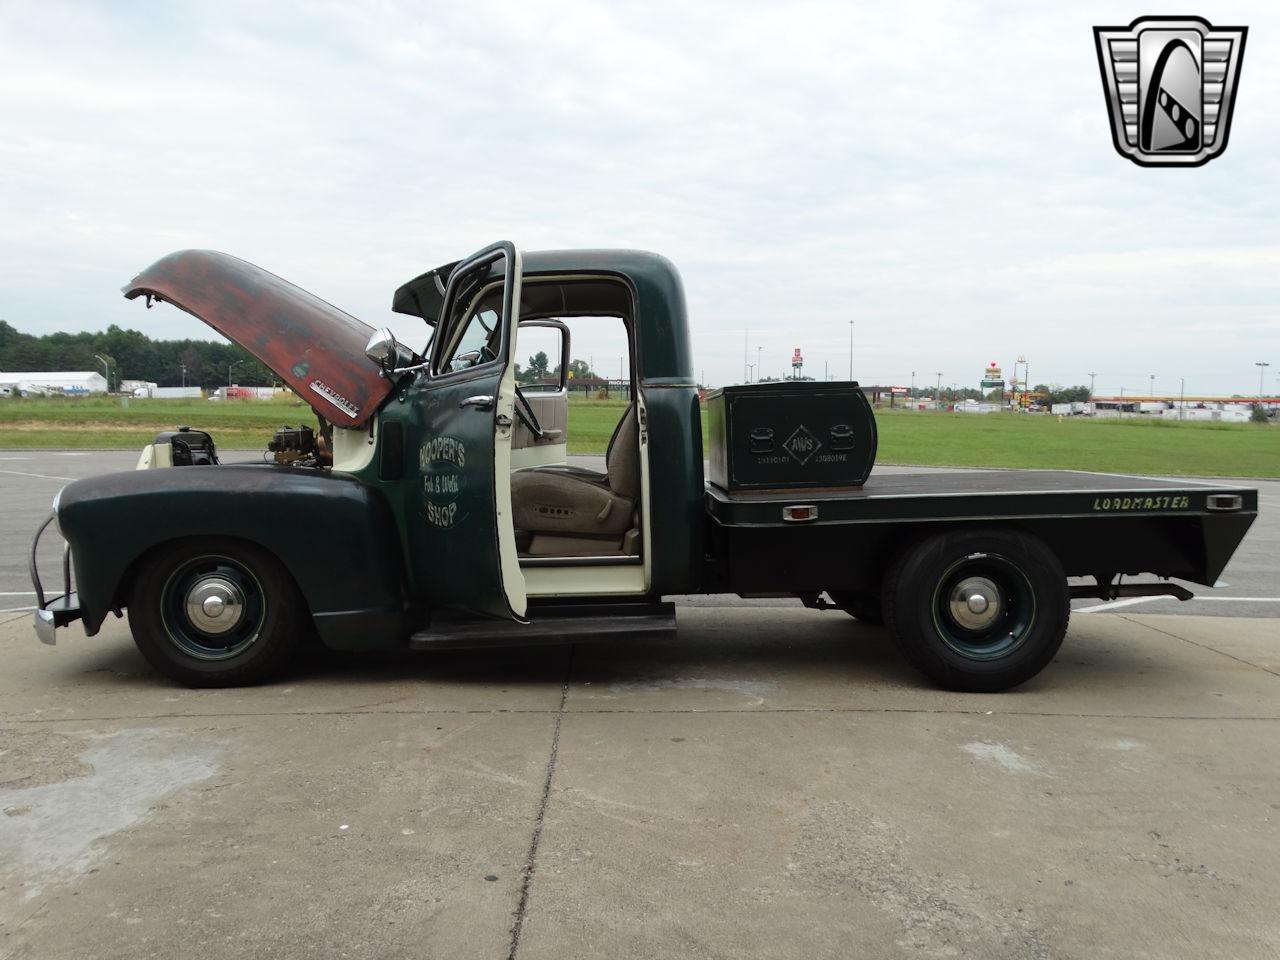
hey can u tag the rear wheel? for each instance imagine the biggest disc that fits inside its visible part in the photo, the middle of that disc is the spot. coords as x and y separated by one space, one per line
215 613
978 610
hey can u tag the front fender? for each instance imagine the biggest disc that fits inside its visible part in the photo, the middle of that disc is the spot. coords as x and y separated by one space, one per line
335 535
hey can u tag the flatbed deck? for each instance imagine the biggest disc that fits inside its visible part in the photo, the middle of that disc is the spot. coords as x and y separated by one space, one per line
983 494
1097 524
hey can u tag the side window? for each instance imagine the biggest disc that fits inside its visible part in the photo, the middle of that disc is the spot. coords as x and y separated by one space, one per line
540 356
476 332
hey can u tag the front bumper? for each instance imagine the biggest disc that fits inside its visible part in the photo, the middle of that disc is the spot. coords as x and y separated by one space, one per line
57 611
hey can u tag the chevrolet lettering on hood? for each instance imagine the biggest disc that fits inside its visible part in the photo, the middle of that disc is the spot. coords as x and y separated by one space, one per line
311 345
337 399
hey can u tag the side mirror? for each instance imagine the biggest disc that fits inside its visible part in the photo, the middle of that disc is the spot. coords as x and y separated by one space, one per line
381 348
387 352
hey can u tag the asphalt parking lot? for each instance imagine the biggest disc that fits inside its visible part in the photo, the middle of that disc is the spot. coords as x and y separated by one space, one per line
775 782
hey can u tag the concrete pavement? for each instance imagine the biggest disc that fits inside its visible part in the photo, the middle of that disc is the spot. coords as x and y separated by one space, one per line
773 783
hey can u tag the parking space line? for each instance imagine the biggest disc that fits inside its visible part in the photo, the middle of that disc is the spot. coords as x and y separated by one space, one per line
1113 604
42 476
15 609
1130 601
17 593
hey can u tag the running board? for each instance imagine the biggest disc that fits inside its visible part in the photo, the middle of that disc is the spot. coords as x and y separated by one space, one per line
1108 591
553 625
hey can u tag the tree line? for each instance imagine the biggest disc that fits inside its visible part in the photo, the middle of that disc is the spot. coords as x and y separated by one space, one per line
132 355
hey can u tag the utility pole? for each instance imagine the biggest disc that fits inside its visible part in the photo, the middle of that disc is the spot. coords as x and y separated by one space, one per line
106 370
851 350
937 394
1262 372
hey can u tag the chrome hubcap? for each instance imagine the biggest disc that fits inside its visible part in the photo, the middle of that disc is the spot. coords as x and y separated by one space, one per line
975 603
214 605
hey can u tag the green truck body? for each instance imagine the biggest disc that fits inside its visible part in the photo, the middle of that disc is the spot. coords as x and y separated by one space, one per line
406 531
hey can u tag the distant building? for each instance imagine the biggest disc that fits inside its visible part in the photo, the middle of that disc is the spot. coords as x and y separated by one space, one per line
72 383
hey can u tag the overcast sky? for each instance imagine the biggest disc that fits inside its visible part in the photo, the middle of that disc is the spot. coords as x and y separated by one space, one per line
940 173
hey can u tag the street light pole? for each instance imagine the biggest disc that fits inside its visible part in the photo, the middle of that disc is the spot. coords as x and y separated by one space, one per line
106 370
230 367
1182 397
850 349
1262 372
912 396
758 349
1152 389
937 394
1092 376
184 373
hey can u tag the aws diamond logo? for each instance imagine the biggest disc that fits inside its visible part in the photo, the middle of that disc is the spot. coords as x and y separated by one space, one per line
1170 84
801 444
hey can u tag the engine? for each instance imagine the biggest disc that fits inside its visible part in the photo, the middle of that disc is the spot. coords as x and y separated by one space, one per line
294 445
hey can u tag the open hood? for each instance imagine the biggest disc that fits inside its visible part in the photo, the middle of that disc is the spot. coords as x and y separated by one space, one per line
312 345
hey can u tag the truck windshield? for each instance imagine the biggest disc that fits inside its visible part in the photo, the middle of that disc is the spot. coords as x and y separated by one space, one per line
480 339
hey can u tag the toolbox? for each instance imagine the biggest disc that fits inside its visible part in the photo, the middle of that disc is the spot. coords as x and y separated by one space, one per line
778 436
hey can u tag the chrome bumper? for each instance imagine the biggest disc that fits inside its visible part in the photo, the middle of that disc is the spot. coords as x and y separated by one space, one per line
57 611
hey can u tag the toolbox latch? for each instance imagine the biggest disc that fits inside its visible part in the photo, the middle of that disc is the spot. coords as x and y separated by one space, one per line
842 437
761 440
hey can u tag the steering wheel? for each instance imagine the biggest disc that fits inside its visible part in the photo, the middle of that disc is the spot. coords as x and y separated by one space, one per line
524 410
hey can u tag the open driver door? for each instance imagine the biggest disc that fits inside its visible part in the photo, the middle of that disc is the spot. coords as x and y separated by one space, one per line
463 548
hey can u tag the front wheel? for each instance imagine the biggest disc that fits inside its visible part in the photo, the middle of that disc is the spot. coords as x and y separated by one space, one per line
978 610
215 613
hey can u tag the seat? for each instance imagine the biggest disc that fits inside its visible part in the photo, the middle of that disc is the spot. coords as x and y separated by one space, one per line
569 511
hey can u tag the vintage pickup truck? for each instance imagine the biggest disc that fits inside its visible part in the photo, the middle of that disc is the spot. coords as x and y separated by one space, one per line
432 506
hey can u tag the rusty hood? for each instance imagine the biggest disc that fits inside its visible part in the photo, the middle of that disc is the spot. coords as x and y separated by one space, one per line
313 346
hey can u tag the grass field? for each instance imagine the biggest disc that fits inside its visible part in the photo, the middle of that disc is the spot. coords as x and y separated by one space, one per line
1130 445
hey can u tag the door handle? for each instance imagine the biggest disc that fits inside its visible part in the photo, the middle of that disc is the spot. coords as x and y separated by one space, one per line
484 402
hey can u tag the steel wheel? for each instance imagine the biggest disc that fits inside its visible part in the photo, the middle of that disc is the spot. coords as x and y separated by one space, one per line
213 608
984 606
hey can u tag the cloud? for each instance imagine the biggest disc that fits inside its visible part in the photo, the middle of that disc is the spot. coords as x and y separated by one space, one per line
940 174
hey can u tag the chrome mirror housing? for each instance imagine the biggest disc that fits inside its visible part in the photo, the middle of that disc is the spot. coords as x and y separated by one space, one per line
389 354
382 348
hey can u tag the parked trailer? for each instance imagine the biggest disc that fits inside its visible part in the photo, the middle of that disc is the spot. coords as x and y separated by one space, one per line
432 508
